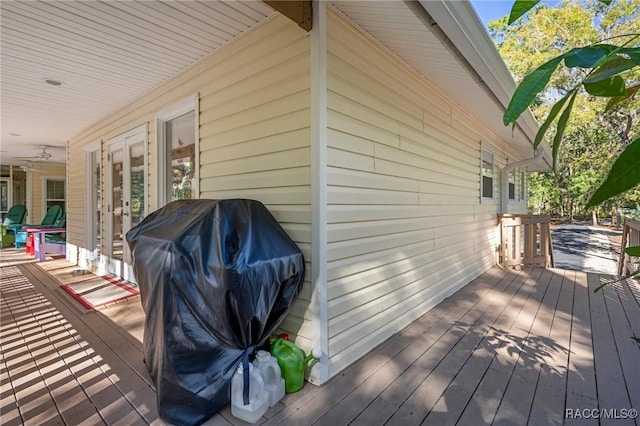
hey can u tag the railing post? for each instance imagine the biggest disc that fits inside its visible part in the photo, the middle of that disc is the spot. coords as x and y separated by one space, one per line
525 241
630 238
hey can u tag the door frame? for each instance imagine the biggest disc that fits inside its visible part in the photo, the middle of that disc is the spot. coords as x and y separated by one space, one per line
94 248
121 267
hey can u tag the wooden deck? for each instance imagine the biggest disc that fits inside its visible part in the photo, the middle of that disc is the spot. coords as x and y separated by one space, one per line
509 348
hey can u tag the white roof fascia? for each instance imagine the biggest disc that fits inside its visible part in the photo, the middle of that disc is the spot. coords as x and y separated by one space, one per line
459 21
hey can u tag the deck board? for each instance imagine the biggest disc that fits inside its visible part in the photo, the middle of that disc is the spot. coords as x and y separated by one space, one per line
549 399
441 379
511 347
398 368
612 393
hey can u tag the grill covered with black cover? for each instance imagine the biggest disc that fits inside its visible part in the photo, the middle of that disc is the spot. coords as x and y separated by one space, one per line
216 277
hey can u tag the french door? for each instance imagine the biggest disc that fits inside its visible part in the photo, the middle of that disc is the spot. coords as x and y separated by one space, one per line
126 193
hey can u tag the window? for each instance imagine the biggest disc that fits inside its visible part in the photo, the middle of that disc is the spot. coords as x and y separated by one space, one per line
523 186
487 174
178 152
512 185
54 193
181 144
4 196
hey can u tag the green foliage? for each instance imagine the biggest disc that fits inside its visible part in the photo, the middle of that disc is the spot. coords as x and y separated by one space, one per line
520 7
613 67
561 127
610 87
630 92
624 175
592 68
526 92
555 109
570 56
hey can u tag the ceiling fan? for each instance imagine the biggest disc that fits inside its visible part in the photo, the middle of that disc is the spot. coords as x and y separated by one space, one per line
26 166
43 155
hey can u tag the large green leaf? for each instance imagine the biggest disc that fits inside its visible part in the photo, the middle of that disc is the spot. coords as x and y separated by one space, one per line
610 87
633 251
588 57
633 53
530 86
519 8
624 175
630 92
560 128
614 66
607 2
555 109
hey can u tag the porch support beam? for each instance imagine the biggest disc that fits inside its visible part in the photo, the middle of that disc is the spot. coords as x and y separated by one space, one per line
299 12
319 297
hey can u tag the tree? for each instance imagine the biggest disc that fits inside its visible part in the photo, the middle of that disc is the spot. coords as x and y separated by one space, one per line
601 68
590 136
607 68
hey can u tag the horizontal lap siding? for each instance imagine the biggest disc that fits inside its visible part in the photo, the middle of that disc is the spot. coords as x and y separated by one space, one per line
254 99
405 224
255 143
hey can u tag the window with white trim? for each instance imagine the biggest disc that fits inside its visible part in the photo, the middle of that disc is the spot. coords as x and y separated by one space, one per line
54 192
181 142
487 174
178 152
523 186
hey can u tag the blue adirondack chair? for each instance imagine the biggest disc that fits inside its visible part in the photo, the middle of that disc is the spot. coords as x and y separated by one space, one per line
15 216
53 214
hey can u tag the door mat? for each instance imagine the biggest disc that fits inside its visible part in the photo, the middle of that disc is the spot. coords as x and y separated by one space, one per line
101 291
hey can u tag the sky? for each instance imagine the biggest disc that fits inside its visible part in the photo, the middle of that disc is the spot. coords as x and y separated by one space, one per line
489 10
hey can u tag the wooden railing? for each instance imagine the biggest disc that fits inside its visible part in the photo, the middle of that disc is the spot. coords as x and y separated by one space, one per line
525 241
630 238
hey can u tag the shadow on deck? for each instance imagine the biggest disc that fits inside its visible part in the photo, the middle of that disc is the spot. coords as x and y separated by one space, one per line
512 347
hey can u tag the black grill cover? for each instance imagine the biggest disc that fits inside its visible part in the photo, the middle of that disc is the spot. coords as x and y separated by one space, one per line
215 277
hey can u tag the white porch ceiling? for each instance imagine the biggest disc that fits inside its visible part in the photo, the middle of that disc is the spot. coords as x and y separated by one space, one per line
109 53
106 54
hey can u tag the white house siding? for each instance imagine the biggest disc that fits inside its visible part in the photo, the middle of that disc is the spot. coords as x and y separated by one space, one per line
406 227
255 142
519 204
254 135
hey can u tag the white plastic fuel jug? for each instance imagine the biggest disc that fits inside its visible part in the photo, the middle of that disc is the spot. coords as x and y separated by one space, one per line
258 395
268 366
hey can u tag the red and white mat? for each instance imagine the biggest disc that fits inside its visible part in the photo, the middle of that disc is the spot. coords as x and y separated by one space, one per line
100 291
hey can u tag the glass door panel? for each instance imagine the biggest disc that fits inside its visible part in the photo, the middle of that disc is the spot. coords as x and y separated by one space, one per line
137 202
117 202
